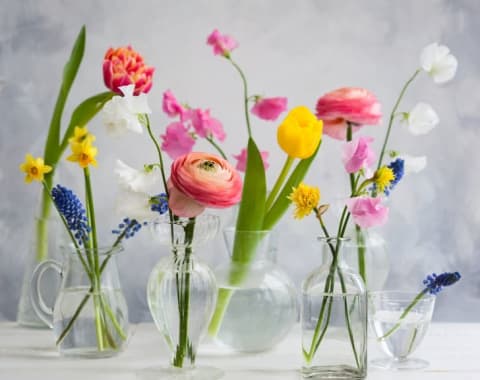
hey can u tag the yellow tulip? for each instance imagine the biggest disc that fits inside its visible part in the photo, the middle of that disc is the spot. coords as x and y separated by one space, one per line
300 133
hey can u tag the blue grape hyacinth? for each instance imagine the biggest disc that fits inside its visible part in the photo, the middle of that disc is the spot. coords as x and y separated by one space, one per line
73 211
398 169
435 283
128 228
159 203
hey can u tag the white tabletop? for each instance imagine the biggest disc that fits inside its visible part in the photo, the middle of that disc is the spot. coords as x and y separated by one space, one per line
452 350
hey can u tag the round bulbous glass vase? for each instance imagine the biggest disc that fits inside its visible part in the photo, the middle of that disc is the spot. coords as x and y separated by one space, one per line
181 294
257 302
366 253
90 316
334 318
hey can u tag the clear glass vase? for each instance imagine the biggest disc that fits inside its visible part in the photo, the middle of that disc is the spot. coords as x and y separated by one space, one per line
181 294
90 316
366 253
334 318
257 302
47 236
400 321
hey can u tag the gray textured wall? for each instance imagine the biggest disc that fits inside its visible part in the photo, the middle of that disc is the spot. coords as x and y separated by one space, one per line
299 49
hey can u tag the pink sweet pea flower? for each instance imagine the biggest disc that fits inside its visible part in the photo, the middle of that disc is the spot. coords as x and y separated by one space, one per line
208 180
367 211
170 105
124 66
355 105
358 155
242 160
177 140
269 108
206 126
222 44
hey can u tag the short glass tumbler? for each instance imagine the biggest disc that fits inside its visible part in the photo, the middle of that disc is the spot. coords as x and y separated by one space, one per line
399 326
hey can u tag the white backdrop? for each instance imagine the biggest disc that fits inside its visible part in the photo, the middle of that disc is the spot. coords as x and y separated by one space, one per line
296 49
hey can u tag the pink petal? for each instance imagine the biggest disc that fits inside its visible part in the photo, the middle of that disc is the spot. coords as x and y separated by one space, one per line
181 205
177 140
269 108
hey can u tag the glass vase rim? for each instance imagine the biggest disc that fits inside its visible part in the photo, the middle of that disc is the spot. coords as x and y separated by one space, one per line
101 250
331 239
256 232
401 295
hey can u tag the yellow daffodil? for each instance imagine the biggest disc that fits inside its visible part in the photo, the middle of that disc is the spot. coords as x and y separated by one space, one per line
34 168
80 134
383 177
300 133
83 153
305 198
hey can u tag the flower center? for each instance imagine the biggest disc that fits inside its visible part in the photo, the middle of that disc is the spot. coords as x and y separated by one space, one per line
209 166
34 171
84 157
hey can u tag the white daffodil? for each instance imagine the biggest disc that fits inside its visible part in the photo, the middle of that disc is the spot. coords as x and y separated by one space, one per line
413 164
145 181
437 61
120 114
135 205
421 119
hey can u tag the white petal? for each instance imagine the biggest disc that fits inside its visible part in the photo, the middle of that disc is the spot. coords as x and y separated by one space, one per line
118 117
413 164
139 104
138 180
436 60
127 90
135 205
422 119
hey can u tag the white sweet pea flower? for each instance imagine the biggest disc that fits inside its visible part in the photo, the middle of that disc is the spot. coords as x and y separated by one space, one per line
413 164
421 119
145 181
135 205
120 114
437 61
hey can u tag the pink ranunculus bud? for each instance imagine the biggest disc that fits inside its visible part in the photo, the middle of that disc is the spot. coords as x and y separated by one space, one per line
358 155
208 180
177 140
170 105
355 105
367 211
124 66
222 44
206 126
269 108
242 160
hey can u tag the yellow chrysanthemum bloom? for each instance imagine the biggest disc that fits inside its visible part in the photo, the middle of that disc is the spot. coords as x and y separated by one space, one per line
383 177
80 134
305 198
34 168
83 153
300 133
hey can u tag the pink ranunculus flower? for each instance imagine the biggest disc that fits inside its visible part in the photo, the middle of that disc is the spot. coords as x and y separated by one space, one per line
208 180
124 66
349 104
177 140
222 44
269 108
242 160
367 211
170 105
358 155
205 125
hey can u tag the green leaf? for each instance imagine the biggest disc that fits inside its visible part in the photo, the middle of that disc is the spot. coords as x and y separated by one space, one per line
252 206
69 73
84 112
282 202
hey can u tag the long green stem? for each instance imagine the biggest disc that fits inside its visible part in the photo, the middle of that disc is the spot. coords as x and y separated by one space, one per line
245 95
392 117
42 222
404 314
280 180
361 253
217 147
159 152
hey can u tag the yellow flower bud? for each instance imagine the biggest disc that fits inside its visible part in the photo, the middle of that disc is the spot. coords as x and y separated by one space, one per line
300 133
